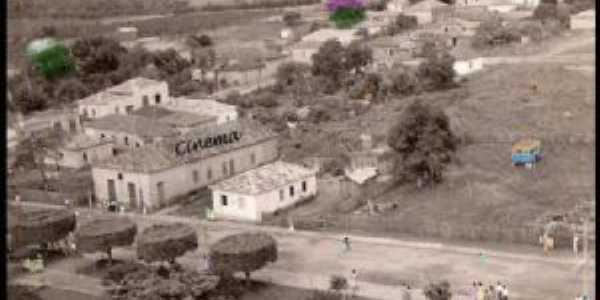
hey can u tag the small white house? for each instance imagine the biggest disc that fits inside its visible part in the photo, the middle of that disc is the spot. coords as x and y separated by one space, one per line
468 66
264 190
124 98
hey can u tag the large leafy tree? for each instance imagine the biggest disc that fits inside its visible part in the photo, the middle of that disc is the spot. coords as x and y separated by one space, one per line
330 62
401 24
424 144
102 234
97 55
166 242
437 71
42 226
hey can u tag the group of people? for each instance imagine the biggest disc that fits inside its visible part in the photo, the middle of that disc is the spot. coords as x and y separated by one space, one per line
491 292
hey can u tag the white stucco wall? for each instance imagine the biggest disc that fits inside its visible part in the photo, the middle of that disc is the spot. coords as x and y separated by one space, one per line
466 67
180 181
239 207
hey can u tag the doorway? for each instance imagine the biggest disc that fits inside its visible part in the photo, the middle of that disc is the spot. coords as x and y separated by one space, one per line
160 187
132 196
112 191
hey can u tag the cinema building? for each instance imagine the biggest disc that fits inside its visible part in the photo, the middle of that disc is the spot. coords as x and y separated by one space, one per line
150 177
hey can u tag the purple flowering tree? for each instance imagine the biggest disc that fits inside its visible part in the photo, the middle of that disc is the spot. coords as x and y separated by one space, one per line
346 13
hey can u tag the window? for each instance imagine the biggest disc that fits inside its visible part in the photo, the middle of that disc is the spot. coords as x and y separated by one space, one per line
291 191
209 174
126 140
224 200
102 135
281 195
85 158
304 186
120 176
224 168
195 176
137 145
157 98
73 125
231 167
252 158
114 151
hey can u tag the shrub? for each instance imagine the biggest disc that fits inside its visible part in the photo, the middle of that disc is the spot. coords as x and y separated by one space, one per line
357 56
437 72
329 62
546 12
102 234
492 33
403 81
424 144
438 291
267 100
42 226
244 252
166 242
338 283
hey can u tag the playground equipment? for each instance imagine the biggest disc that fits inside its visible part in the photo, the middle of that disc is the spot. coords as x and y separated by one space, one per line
526 152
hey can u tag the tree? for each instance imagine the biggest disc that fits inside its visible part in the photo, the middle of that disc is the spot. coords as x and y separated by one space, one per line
493 33
401 24
204 59
292 18
169 62
103 234
201 41
42 226
424 143
548 12
244 252
437 72
330 63
357 56
293 75
403 81
97 55
166 242
69 90
438 291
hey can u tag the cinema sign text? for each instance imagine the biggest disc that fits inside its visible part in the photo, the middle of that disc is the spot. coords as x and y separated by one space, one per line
195 145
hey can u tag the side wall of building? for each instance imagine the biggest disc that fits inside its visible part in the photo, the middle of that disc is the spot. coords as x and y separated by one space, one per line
238 206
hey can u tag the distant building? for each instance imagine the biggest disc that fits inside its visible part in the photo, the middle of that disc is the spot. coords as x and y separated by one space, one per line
584 20
396 6
126 34
64 121
264 190
390 49
345 37
205 107
423 10
129 131
80 151
185 122
153 176
468 66
124 98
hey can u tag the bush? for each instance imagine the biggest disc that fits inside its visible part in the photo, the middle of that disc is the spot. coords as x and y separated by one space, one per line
492 33
437 72
41 226
244 252
338 283
267 100
438 291
403 81
547 12
166 242
424 142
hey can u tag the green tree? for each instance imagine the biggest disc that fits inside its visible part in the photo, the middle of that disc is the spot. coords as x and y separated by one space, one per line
69 90
357 56
548 12
330 63
424 143
42 226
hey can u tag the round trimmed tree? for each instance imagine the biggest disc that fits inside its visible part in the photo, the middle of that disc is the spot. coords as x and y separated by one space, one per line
103 234
244 252
40 226
166 242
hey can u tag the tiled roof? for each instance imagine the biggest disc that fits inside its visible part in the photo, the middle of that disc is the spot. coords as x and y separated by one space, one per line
132 124
184 119
206 107
152 112
82 141
119 91
265 178
157 158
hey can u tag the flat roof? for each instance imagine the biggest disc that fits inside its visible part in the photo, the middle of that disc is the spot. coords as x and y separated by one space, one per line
208 107
185 119
83 141
132 124
264 179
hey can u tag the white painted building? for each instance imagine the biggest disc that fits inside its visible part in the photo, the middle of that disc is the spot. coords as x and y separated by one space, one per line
396 6
80 151
153 176
124 98
264 190
129 131
527 3
468 66
423 10
205 107
584 20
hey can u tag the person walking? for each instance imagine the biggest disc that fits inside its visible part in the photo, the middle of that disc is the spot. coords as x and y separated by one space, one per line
405 293
499 293
354 278
347 243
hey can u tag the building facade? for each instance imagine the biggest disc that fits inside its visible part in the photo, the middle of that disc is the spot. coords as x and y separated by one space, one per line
81 151
124 98
264 190
152 177
65 121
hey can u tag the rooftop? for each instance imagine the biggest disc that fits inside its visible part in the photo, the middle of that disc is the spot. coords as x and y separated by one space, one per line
425 6
132 124
152 112
119 91
206 107
82 141
150 159
185 119
264 179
